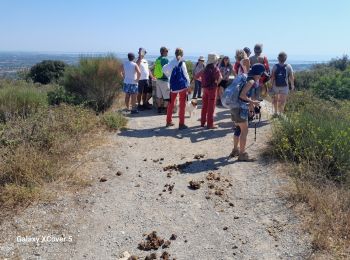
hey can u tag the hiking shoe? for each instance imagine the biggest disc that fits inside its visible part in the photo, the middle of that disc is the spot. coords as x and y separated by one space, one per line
244 157
234 153
182 127
147 106
212 127
169 124
135 111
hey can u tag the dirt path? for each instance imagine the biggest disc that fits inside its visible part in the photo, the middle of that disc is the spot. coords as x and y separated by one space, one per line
239 216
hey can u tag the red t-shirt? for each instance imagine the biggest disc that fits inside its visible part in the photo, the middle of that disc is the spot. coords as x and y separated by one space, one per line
210 77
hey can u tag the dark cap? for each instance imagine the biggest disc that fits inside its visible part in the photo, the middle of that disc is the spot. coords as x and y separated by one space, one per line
163 49
131 56
257 69
247 50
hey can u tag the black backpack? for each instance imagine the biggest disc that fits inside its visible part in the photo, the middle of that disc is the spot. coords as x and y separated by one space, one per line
281 79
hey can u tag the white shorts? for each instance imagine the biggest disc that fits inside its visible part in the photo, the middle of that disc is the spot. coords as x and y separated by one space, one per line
162 89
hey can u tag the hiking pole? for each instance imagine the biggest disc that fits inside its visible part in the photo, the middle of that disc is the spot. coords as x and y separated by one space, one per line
255 131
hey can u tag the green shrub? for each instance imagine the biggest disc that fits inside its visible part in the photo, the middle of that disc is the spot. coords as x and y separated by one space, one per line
327 81
95 80
47 71
20 101
189 65
316 134
60 95
114 121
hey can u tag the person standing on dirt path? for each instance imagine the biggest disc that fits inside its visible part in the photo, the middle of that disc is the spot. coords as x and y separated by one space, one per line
131 73
242 64
259 57
211 78
176 70
282 74
200 65
144 88
226 70
162 82
240 115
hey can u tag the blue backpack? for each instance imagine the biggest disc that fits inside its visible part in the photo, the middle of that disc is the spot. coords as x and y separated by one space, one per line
178 80
281 76
230 98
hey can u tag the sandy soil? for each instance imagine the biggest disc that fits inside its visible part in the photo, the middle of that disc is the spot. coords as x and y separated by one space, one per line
236 213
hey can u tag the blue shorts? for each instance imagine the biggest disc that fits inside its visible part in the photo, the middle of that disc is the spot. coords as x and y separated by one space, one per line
130 88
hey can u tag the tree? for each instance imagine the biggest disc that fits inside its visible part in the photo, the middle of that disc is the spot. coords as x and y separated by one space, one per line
47 71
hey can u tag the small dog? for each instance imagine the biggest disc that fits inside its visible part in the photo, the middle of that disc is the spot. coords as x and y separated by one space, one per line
191 106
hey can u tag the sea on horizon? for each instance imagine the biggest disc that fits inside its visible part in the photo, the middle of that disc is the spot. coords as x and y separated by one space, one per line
12 62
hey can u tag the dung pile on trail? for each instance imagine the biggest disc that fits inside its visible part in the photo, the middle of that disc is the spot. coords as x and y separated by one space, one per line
154 242
177 167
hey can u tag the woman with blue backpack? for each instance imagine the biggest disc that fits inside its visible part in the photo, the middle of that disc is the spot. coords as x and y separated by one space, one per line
176 70
282 74
239 101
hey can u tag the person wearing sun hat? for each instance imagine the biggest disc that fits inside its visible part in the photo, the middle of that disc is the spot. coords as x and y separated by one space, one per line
240 115
210 78
200 65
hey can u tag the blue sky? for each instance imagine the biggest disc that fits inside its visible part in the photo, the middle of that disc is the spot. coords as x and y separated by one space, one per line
302 28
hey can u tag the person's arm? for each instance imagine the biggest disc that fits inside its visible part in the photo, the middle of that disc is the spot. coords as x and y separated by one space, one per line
272 79
122 72
138 72
291 78
245 91
167 69
184 69
246 65
151 74
219 77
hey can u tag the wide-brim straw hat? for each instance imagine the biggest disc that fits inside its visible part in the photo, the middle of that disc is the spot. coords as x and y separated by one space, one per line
212 58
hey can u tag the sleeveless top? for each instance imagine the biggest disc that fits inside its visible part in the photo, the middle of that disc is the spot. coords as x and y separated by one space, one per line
130 72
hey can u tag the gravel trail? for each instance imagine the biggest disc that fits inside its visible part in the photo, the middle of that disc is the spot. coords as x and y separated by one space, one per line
236 213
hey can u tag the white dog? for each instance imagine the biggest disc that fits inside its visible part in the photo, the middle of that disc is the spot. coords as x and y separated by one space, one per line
191 107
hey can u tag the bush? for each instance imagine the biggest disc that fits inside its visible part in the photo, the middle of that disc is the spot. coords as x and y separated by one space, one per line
47 71
60 95
316 133
20 100
114 121
189 65
32 149
95 80
327 81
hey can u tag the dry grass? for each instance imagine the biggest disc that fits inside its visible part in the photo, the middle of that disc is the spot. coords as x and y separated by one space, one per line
324 208
33 151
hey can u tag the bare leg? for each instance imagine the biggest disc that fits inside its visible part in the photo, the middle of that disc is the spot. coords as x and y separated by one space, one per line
139 99
127 99
133 101
243 136
282 98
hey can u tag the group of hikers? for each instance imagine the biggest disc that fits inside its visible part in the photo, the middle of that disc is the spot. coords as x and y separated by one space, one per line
217 82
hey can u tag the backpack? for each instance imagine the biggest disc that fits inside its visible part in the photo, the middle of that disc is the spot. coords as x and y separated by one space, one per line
178 80
230 98
281 76
158 69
